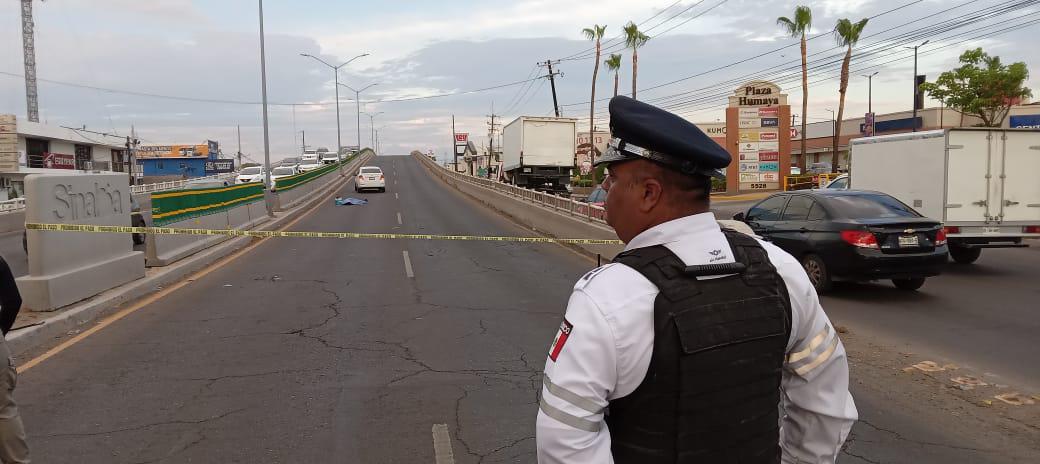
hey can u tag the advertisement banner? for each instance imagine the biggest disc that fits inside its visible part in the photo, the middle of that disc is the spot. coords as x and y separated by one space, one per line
748 147
748 113
749 136
770 122
220 166
748 167
750 123
767 136
769 156
769 146
1026 121
749 177
868 124
769 112
769 167
770 176
749 157
59 161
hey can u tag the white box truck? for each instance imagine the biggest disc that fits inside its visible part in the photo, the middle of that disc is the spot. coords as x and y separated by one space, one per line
982 183
538 152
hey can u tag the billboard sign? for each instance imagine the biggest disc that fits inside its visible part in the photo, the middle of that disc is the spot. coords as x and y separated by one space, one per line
220 166
749 156
773 156
770 122
461 138
868 125
1025 121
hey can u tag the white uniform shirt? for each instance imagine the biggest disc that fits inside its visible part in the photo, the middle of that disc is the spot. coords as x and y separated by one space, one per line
603 350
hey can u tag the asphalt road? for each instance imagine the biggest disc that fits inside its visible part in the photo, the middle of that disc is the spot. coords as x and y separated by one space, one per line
310 350
307 350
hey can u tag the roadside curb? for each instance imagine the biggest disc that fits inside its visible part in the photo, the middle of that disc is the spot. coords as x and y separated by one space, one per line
88 311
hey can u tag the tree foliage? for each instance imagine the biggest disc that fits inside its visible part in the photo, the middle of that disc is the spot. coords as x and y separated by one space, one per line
982 86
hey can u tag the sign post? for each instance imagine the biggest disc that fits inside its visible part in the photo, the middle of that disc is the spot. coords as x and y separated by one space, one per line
758 113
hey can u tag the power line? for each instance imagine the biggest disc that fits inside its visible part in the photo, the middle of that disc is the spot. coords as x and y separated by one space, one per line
670 101
583 52
745 60
250 103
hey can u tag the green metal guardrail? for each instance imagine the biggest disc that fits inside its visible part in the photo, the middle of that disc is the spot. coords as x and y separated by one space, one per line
176 205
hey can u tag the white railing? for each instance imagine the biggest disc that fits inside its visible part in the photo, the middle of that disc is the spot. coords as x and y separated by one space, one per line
557 203
176 184
16 204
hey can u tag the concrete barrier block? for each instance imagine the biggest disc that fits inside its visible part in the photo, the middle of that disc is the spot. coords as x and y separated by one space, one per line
66 267
165 249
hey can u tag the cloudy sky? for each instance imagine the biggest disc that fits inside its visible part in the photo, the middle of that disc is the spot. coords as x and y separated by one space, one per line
110 64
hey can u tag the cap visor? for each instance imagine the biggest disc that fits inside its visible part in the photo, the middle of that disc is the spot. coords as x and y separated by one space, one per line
613 156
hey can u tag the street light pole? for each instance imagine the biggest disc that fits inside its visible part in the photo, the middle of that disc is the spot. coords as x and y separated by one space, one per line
372 127
914 117
357 101
335 72
870 90
267 140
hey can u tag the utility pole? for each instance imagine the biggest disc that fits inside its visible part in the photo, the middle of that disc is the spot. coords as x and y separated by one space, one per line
454 152
29 58
239 146
492 127
303 143
552 83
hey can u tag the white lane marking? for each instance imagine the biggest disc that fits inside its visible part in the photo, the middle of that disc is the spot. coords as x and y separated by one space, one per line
399 222
396 196
408 265
442 445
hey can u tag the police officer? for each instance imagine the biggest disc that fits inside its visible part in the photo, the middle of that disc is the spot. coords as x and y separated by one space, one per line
697 344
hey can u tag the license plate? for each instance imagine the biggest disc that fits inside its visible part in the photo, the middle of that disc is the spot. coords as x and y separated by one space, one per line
371 178
991 230
908 241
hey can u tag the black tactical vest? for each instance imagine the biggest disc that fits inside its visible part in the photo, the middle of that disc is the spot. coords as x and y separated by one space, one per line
712 391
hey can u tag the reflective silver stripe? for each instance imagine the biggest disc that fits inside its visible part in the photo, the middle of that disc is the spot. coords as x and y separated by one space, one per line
815 342
625 146
571 420
571 397
820 359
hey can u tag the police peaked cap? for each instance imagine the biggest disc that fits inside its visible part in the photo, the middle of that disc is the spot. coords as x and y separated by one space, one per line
640 130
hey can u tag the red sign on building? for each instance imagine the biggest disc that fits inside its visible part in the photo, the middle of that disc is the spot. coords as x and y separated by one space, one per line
767 136
59 161
769 156
772 112
461 137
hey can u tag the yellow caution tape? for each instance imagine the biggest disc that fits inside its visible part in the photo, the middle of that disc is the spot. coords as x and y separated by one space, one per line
300 234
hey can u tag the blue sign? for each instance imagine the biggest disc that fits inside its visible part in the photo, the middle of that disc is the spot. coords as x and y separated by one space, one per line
894 125
768 167
770 122
1026 121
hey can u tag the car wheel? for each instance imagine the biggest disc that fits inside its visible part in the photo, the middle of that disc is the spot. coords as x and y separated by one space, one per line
817 272
962 255
910 285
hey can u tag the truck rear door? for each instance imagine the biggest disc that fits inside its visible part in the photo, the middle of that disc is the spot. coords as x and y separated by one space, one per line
972 156
1021 183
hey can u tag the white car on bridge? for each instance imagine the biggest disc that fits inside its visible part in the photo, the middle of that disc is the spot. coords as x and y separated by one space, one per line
370 177
280 172
309 163
329 158
250 174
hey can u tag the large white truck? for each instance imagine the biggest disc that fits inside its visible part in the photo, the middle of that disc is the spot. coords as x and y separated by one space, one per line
982 183
538 152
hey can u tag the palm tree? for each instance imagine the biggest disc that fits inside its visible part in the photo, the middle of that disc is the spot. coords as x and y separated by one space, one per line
846 34
798 27
594 33
614 65
634 39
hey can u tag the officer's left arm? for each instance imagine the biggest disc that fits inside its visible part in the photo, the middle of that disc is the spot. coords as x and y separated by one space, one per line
580 373
819 410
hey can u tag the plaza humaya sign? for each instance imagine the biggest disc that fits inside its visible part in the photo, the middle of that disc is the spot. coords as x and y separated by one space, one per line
758 113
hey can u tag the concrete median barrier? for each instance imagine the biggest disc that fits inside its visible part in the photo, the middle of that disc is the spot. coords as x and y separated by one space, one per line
557 221
211 208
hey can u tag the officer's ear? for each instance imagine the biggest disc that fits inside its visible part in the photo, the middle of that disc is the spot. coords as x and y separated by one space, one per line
652 193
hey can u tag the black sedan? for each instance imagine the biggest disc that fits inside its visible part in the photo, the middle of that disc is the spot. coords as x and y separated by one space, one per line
851 235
